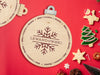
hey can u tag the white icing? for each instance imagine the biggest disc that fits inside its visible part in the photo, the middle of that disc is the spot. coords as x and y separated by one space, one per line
91 36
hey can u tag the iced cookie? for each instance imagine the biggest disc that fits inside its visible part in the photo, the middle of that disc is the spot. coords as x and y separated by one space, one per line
90 15
79 56
88 37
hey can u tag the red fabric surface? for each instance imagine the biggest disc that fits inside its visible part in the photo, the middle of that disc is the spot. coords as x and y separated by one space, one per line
12 61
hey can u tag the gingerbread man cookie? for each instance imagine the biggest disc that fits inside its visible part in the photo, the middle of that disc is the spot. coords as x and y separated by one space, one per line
90 15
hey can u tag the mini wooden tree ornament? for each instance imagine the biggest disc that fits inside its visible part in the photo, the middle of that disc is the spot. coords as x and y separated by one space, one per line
9 9
42 41
90 15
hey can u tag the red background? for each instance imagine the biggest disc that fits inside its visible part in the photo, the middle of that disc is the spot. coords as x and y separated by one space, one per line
12 61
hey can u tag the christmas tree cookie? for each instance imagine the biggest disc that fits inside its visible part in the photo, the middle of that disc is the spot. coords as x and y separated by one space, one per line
88 37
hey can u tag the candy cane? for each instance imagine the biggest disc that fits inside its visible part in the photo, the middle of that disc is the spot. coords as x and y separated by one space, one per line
98 44
98 11
88 56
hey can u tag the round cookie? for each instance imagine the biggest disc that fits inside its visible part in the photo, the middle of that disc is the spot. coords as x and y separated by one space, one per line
75 72
96 56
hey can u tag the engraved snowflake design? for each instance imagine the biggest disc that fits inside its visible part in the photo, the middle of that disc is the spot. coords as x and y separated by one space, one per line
46 47
47 33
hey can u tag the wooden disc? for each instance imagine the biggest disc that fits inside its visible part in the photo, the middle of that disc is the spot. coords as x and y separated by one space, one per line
45 41
8 10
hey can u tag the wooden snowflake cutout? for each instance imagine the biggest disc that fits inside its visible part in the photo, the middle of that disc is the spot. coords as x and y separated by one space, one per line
66 66
79 56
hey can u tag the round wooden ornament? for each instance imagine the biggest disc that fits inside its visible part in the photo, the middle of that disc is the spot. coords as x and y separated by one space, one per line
46 40
9 9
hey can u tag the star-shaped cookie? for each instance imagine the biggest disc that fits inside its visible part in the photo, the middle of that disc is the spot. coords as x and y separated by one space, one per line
79 56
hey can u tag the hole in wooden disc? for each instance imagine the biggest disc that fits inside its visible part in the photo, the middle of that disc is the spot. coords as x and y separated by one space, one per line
51 9
24 11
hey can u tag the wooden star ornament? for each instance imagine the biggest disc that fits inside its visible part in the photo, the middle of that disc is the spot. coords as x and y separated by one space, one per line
79 56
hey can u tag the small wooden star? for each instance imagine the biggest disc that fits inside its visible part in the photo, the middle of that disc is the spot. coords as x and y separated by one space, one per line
78 56
66 66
